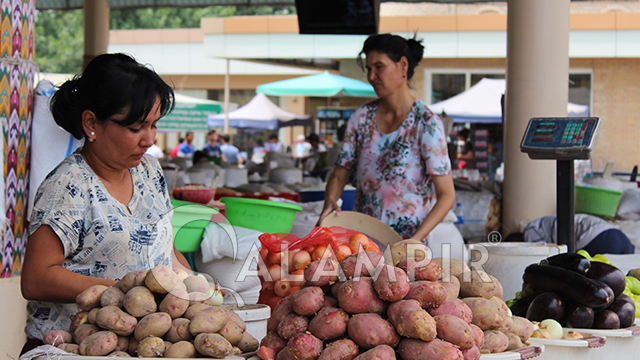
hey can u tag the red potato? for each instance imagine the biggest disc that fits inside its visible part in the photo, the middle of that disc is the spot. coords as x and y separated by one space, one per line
436 349
112 296
452 286
317 275
114 319
70 348
302 347
455 307
156 324
364 263
83 331
420 269
499 290
273 341
179 330
57 337
391 284
472 354
344 349
292 325
371 330
161 279
330 301
502 306
330 323
213 345
307 301
494 342
248 343
99 344
139 301
359 296
335 287
90 298
429 294
131 280
486 314
478 335
450 267
284 308
521 327
380 352
411 320
175 303
455 330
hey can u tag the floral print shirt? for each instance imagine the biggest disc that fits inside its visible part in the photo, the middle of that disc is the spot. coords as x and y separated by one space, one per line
101 236
394 171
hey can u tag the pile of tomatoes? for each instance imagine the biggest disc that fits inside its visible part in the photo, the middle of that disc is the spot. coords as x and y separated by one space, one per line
282 273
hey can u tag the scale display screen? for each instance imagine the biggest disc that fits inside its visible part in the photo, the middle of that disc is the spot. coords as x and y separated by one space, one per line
560 138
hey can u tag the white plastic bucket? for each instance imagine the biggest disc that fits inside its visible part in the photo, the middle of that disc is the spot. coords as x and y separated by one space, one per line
507 261
255 316
570 349
622 344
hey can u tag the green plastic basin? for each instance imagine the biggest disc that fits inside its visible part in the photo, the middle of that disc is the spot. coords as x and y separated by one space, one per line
189 221
261 215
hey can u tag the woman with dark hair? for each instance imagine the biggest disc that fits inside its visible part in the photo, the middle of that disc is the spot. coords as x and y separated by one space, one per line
395 145
104 211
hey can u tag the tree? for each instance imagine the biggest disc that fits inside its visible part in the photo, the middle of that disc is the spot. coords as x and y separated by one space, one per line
59 34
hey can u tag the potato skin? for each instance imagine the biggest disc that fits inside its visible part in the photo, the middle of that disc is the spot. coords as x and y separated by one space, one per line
473 284
57 337
194 309
494 342
344 349
112 296
214 345
452 287
292 325
420 269
455 307
151 346
116 320
329 323
99 344
478 335
302 347
273 341
131 280
77 319
429 294
139 301
486 314
329 273
307 301
521 327
70 348
284 308
231 332
175 303
391 284
359 296
156 324
179 330
161 279
371 330
248 343
90 298
436 349
180 350
380 352
361 264
196 283
411 320
454 330
83 331
209 320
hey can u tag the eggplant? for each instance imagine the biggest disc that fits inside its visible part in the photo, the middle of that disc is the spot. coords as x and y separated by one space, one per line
610 296
609 275
569 261
625 309
568 284
519 308
546 306
606 319
577 316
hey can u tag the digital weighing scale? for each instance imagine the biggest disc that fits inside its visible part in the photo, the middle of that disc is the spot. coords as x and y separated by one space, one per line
563 140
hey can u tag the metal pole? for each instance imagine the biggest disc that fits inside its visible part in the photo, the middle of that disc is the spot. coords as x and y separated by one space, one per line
565 182
96 29
226 98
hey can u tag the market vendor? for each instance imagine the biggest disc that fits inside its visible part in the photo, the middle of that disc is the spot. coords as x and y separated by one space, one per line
105 210
395 145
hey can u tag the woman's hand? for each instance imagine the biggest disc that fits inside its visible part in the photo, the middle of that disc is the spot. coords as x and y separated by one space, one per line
333 192
329 207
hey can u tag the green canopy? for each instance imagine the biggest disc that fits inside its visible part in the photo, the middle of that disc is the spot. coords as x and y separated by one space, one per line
319 85
189 114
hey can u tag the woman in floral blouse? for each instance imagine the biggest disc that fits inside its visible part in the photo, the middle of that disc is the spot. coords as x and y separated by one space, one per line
396 146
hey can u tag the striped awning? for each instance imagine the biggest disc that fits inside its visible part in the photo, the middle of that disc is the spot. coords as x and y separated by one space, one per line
132 4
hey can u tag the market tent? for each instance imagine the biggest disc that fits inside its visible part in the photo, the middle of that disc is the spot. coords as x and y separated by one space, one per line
318 85
189 114
481 104
260 113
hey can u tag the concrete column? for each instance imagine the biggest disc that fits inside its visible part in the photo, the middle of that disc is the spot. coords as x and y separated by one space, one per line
96 29
537 86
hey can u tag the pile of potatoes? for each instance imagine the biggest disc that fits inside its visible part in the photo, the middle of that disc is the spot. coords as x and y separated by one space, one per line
157 313
363 309
281 273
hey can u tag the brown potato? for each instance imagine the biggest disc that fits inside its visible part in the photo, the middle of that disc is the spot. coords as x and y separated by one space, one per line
156 324
112 297
90 298
70 348
232 333
213 345
131 280
77 319
175 303
248 343
151 346
139 302
161 279
197 283
179 330
210 320
83 331
180 350
194 309
99 344
91 318
57 337
114 319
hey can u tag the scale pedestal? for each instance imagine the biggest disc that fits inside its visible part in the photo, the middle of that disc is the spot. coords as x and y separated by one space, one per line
563 140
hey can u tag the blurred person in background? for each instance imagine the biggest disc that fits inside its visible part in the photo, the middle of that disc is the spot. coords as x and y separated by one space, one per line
174 151
465 150
273 144
155 150
212 148
396 146
302 147
230 152
186 149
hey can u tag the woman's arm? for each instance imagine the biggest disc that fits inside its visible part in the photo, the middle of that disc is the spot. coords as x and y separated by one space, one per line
180 262
446 195
43 277
335 186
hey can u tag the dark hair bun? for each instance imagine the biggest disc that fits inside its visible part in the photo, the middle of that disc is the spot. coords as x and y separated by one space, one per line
64 108
416 49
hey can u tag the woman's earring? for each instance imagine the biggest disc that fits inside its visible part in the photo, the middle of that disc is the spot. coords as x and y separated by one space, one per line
92 134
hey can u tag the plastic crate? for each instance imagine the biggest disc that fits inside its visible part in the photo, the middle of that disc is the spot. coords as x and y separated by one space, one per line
596 201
